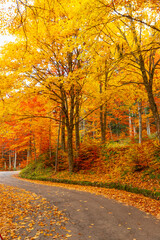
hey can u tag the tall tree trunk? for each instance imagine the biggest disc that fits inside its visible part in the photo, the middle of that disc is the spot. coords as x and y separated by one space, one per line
34 142
110 129
82 128
68 110
10 161
30 140
70 126
5 165
103 124
40 145
140 120
103 116
70 148
63 139
147 122
130 124
56 158
30 146
134 126
77 122
154 110
15 160
28 156
50 140
148 77
77 111
3 156
148 126
103 109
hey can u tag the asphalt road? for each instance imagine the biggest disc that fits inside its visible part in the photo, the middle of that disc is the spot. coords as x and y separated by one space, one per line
93 217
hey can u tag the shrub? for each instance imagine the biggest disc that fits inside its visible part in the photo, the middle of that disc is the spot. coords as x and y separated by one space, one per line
87 155
36 168
141 156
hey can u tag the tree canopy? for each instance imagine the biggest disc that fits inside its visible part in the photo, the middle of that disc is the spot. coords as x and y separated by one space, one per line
77 70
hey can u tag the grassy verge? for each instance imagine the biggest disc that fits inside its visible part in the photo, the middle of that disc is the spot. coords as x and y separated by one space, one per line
134 169
114 185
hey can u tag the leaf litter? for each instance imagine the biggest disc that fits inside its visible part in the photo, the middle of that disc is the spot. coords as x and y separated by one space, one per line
25 215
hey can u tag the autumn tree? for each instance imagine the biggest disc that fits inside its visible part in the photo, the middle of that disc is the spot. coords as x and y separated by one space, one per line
133 30
51 60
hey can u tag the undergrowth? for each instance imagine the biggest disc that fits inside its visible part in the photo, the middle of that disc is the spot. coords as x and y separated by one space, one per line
37 168
133 168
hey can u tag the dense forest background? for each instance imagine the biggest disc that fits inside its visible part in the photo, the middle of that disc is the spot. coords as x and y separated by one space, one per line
79 80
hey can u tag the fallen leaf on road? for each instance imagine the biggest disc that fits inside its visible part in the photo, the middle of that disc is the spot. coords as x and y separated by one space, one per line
20 214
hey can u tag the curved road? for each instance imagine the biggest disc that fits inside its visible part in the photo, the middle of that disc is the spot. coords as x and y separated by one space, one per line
93 217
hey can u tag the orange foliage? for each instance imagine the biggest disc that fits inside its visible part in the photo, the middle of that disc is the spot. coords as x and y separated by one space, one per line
142 156
87 155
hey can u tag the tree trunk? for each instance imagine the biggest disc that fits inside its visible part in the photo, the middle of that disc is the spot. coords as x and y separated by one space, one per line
130 123
35 157
40 145
56 158
140 120
70 149
103 109
30 145
70 128
148 126
28 155
110 129
103 116
147 75
148 78
15 160
77 122
70 117
103 124
50 140
63 140
134 126
68 122
77 111
154 110
3 156
10 163
147 122
67 105
82 128
5 165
